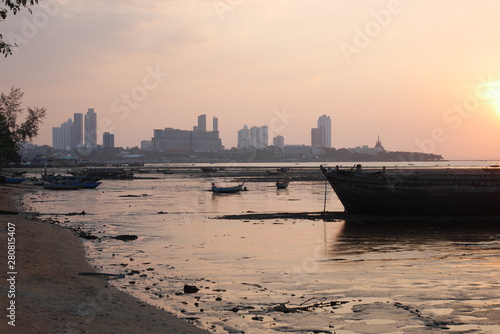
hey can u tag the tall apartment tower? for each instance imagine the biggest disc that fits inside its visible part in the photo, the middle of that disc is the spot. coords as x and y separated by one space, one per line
215 124
108 140
279 141
244 138
78 130
202 124
90 133
325 127
322 135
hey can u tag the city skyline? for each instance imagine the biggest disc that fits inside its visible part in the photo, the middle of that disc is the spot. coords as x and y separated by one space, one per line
373 66
70 134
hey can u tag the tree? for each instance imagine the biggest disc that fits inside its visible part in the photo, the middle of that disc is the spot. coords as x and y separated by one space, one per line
13 6
11 133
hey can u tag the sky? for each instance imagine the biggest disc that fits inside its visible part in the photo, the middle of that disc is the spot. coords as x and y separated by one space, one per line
424 75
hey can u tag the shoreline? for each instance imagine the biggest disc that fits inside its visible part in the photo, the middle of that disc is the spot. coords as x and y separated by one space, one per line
50 296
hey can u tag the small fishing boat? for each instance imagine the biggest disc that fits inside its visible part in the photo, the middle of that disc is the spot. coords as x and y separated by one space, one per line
37 182
14 180
282 184
227 190
90 185
62 185
209 169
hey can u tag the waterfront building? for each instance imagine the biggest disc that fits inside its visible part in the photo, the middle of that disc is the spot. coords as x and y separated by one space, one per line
244 138
146 145
90 128
279 141
369 150
108 140
78 130
297 150
198 140
215 124
255 137
63 136
321 136
202 124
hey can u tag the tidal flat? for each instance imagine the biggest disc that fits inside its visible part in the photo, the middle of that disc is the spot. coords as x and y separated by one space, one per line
286 274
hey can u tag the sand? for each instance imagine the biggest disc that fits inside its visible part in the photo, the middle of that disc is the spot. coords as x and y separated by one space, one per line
51 296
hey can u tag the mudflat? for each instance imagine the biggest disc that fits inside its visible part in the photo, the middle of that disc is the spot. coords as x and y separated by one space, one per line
49 295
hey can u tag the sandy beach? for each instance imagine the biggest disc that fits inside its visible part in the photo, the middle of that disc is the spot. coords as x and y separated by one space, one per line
51 296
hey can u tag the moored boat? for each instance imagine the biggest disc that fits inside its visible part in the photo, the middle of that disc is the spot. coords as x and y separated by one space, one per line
209 169
14 180
62 185
282 184
90 185
227 190
416 191
104 172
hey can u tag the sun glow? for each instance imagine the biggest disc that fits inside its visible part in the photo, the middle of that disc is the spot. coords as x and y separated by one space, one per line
489 94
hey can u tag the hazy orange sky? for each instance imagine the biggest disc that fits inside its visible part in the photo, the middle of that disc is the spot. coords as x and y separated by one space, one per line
421 74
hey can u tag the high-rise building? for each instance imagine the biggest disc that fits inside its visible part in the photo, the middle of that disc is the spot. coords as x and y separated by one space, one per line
78 130
279 141
108 140
244 138
255 137
202 124
316 139
56 137
90 126
215 124
264 136
322 135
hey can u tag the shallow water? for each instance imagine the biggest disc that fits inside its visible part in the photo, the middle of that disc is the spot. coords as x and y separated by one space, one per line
290 275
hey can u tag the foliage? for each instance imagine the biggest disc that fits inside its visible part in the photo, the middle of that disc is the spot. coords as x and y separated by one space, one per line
12 133
13 6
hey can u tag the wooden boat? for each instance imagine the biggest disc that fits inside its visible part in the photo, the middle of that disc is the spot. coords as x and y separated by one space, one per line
492 169
37 182
90 185
282 184
104 173
62 185
227 190
416 191
209 169
14 180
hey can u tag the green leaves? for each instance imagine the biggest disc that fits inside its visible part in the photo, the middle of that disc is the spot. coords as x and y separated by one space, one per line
14 7
12 133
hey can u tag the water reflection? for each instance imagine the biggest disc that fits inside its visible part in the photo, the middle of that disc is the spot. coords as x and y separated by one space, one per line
357 237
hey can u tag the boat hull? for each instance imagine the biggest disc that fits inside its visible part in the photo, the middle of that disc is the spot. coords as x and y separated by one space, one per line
416 193
62 186
281 185
227 190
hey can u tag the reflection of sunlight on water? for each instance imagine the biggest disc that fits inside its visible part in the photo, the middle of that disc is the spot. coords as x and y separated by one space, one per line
254 265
